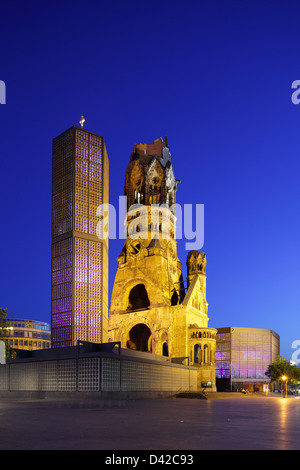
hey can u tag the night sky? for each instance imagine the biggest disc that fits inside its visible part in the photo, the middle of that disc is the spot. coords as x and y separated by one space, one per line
215 77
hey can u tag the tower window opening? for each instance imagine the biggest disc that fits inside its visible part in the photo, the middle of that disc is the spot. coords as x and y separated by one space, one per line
138 298
138 196
174 298
154 196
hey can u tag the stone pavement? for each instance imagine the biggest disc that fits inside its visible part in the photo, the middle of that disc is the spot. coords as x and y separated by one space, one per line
231 422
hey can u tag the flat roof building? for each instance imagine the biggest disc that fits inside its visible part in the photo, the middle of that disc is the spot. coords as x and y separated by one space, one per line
243 356
27 334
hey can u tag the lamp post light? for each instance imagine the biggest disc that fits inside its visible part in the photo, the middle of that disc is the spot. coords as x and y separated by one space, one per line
285 379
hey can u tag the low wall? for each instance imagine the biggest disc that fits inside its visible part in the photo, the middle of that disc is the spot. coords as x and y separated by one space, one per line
88 371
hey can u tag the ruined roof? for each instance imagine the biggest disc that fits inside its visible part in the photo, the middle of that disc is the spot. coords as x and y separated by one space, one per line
145 152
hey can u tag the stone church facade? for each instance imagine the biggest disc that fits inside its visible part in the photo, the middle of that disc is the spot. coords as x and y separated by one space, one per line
152 308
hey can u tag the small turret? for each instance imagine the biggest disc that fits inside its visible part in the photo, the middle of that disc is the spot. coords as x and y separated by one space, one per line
196 264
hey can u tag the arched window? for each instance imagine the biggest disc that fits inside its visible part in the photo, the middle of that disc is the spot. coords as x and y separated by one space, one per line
138 196
205 354
165 349
197 353
154 192
138 298
140 338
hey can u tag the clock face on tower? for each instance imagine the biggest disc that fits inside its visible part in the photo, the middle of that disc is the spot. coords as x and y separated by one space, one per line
134 248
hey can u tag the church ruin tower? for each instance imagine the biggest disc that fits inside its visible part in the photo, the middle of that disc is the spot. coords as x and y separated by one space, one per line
150 250
151 310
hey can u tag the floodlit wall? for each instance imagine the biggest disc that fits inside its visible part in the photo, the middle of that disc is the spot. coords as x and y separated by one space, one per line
97 374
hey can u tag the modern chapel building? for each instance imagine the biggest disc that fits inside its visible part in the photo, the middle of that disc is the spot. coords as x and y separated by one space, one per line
79 296
243 356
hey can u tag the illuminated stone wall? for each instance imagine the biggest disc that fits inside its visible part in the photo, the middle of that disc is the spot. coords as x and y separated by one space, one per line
152 309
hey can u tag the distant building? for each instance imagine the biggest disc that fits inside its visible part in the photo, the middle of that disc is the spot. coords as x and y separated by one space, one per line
243 356
27 334
79 259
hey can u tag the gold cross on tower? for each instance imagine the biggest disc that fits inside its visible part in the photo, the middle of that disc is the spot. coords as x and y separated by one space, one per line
82 121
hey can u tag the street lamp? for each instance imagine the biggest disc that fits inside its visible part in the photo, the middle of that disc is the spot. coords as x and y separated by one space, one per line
285 379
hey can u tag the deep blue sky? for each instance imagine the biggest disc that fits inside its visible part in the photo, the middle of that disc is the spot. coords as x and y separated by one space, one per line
215 77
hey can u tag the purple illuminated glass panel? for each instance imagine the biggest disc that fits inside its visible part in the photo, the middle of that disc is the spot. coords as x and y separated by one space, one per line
225 374
225 365
226 356
61 289
88 289
88 181
260 374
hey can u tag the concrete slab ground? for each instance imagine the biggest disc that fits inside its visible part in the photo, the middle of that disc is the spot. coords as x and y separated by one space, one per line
230 422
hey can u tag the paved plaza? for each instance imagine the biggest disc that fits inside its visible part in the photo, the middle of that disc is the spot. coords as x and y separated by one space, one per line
247 422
